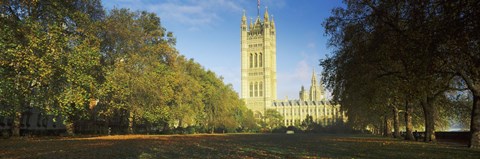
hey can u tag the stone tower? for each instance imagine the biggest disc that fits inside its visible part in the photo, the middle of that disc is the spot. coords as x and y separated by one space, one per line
258 54
303 95
316 93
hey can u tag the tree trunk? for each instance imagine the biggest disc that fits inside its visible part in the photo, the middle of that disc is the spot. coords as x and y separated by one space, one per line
396 123
475 121
17 117
388 127
70 127
130 122
166 127
408 122
180 123
381 126
473 83
429 114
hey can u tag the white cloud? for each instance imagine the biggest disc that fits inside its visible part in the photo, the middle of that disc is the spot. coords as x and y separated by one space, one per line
191 13
311 45
302 71
198 14
290 81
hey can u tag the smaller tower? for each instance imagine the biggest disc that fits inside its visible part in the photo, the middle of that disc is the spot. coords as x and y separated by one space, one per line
316 94
303 94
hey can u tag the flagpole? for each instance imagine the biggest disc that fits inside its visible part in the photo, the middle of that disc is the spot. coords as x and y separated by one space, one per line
258 8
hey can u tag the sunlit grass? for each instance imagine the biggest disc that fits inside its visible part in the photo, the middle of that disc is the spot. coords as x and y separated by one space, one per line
229 146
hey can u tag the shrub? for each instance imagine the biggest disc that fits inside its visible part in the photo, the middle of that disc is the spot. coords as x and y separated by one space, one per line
281 129
190 130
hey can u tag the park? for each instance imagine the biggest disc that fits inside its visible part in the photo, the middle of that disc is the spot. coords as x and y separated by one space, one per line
107 79
230 146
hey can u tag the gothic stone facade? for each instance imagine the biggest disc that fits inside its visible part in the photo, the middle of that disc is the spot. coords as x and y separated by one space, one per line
258 54
259 79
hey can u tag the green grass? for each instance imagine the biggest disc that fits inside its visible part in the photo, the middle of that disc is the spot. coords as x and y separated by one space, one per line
229 146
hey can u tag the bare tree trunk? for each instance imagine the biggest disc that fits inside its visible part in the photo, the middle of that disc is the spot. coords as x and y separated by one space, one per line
130 122
388 127
396 123
475 121
384 126
429 113
408 122
473 83
381 126
17 117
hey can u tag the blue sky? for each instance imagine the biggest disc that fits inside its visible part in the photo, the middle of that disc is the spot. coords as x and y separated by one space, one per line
209 32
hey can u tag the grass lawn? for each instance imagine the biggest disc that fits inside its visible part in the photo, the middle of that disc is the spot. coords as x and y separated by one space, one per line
229 146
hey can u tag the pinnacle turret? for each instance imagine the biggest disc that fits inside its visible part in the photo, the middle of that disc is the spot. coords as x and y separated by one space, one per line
244 17
273 21
265 16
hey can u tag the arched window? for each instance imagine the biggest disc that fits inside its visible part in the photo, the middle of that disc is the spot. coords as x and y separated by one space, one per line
251 89
251 60
256 60
261 89
256 89
260 61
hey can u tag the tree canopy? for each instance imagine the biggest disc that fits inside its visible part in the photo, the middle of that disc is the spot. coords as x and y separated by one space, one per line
404 57
117 68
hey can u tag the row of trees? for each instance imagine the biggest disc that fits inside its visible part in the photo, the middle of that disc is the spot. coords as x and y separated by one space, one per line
400 57
71 59
419 59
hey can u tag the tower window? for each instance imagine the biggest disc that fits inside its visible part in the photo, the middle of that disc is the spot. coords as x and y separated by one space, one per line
261 89
256 89
256 60
251 60
260 60
251 89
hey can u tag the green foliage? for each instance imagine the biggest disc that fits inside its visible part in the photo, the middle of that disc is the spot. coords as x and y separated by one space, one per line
272 119
402 56
61 57
308 124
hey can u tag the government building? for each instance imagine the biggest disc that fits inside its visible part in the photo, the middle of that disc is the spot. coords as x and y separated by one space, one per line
259 78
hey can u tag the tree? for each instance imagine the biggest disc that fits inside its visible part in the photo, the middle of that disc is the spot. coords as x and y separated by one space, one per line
51 44
412 43
59 57
308 124
272 119
138 60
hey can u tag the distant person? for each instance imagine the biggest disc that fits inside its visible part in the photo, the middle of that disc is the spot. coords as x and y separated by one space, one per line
416 135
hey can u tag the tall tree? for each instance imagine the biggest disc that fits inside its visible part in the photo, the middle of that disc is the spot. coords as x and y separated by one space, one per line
137 58
50 37
416 43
